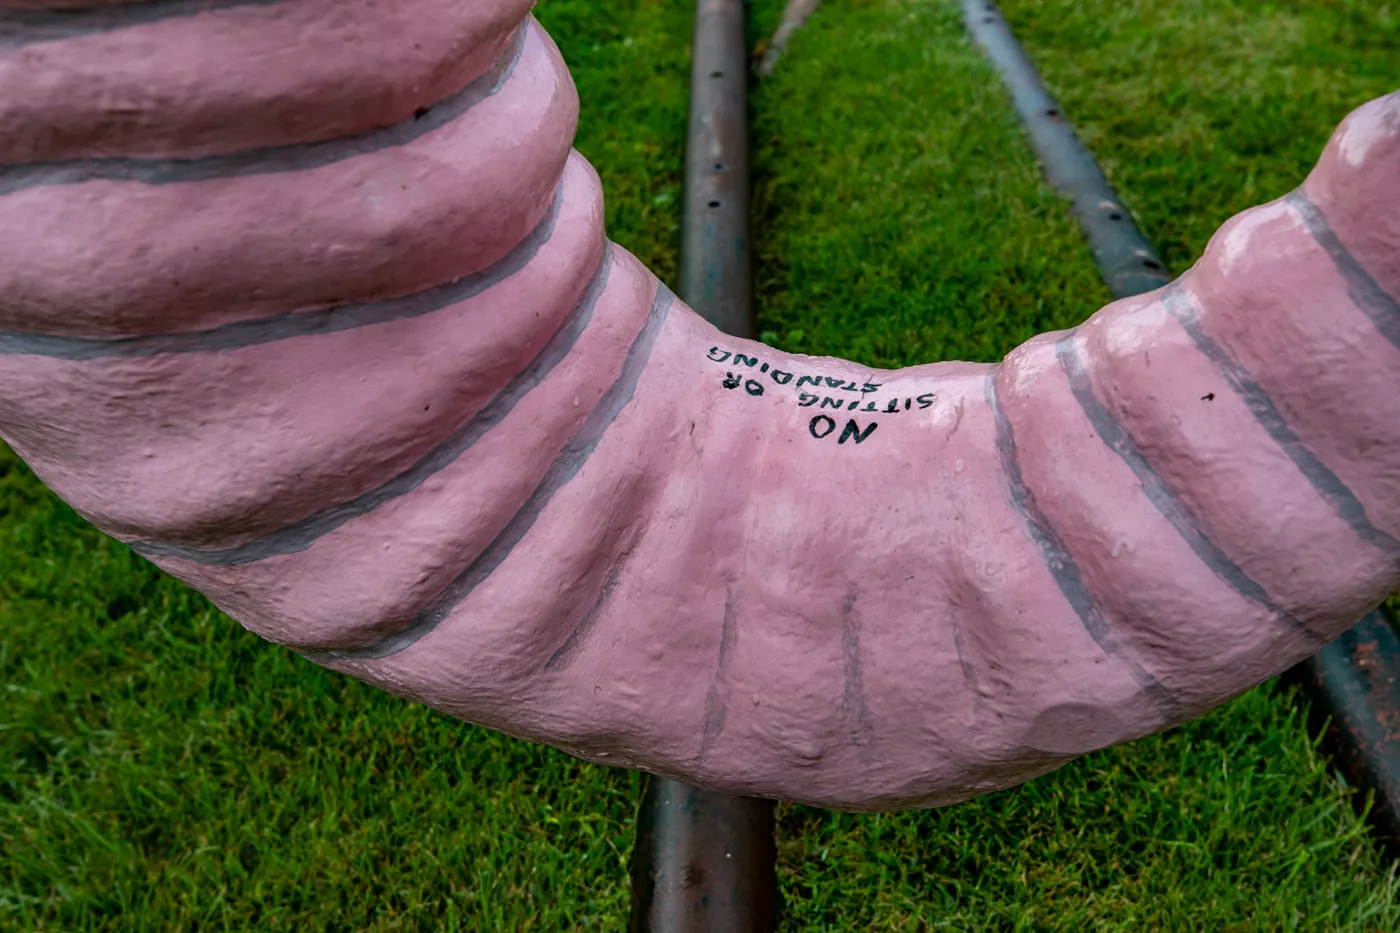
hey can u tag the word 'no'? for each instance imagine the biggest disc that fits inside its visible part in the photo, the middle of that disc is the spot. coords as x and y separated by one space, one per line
822 426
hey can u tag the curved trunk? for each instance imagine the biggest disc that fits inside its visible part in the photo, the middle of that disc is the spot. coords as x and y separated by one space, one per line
345 348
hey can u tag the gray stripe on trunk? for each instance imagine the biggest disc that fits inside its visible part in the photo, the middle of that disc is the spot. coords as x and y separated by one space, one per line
275 160
19 28
1364 291
717 697
1112 433
303 534
564 468
1062 566
1328 484
256 331
578 636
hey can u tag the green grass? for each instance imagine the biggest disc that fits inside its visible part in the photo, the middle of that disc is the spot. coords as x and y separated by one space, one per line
1198 109
161 769
899 217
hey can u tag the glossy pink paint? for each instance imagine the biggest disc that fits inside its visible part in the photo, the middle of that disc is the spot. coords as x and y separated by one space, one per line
363 368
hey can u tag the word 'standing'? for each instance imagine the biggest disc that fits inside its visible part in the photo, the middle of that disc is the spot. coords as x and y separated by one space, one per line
783 377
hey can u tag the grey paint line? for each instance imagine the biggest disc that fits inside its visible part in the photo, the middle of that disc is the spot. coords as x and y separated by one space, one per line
853 696
969 673
256 331
564 468
274 160
19 28
303 534
573 644
717 700
1060 562
1328 485
1382 310
1116 439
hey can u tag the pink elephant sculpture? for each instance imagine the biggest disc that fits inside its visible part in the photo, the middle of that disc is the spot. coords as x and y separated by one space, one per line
310 303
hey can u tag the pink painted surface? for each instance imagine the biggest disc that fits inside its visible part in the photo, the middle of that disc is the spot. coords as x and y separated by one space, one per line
309 71
343 346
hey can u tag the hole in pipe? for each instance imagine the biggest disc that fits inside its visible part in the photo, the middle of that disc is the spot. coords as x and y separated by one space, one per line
717 74
714 204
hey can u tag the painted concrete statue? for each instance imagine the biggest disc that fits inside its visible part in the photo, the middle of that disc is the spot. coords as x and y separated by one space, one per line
309 301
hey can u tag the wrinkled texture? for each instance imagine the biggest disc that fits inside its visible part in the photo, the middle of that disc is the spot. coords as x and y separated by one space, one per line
377 384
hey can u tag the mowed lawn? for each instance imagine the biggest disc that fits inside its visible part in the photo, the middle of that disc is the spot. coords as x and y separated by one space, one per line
162 769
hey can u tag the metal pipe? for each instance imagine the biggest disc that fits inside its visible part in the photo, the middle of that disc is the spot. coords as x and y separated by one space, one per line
1354 685
794 18
705 861
1126 259
1353 682
716 277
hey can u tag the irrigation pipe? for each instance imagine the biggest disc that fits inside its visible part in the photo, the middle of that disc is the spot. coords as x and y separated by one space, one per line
794 18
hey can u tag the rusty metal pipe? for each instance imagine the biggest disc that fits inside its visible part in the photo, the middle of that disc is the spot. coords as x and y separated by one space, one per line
1354 688
703 862
716 276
